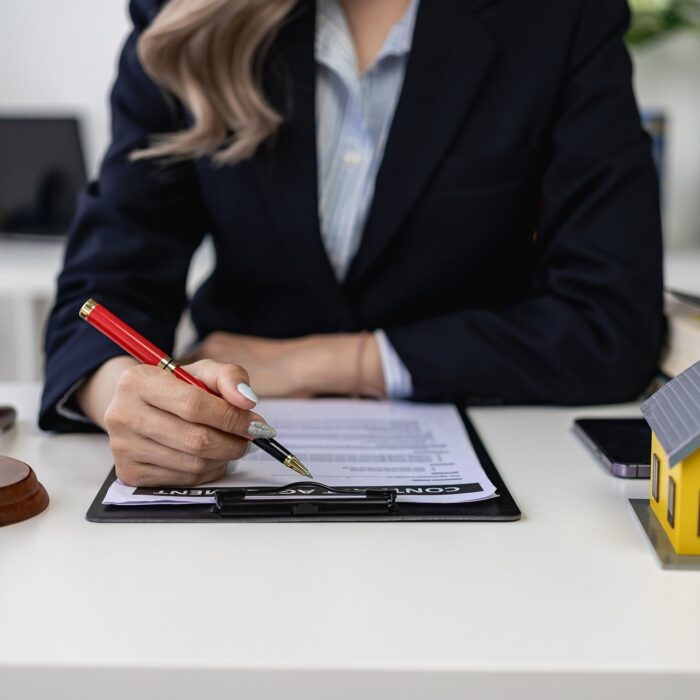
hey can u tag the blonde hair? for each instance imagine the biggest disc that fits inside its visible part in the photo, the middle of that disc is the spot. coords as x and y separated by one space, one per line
209 55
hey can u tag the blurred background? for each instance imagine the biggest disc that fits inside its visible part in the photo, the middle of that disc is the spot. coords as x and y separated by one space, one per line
58 60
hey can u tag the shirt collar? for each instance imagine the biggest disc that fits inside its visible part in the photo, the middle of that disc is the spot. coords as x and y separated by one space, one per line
400 38
334 46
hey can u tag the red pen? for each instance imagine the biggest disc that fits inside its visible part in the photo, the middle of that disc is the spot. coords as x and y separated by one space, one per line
144 351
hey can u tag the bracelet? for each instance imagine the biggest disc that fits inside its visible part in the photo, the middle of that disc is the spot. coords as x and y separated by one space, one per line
359 389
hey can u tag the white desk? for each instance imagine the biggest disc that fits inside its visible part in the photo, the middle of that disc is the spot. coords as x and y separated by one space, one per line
567 604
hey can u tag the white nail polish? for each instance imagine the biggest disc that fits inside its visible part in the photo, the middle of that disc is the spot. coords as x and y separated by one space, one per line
248 392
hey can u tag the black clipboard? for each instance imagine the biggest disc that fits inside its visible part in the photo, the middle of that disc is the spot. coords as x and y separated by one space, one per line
501 508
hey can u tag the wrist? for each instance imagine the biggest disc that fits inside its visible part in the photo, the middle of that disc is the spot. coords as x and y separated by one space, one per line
342 364
95 394
311 368
369 373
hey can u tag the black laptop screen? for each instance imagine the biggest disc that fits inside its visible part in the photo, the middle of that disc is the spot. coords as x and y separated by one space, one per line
42 169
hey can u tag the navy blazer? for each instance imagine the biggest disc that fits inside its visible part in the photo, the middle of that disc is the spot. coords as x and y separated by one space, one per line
512 252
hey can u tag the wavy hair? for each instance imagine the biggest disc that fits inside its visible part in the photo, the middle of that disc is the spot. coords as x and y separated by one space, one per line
209 54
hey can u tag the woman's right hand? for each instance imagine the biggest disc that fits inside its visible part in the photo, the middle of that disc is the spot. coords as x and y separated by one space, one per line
165 432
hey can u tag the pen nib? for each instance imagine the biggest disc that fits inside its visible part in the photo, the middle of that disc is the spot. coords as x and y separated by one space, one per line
293 463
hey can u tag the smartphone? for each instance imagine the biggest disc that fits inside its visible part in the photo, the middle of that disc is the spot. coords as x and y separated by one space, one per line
622 444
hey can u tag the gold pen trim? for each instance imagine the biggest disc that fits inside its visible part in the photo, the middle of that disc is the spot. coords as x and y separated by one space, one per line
294 464
87 308
167 363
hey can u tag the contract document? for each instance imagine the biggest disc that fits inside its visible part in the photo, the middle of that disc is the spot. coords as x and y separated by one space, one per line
422 451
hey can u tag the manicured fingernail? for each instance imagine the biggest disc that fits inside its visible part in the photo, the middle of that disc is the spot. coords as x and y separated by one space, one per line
258 429
248 392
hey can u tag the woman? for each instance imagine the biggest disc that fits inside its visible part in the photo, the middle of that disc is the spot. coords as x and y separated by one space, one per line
445 200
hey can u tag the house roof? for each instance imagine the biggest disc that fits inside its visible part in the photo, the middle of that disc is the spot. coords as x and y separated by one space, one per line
673 413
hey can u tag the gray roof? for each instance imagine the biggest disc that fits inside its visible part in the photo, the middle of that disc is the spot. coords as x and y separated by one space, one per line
673 413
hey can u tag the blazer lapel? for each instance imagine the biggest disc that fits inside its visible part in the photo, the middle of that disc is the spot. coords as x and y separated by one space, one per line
287 168
450 57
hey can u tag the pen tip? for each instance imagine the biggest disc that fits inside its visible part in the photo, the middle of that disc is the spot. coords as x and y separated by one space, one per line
295 464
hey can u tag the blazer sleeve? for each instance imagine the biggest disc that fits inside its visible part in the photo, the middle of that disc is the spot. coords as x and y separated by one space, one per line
136 228
591 329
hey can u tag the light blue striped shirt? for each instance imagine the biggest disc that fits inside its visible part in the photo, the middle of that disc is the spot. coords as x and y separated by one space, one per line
353 115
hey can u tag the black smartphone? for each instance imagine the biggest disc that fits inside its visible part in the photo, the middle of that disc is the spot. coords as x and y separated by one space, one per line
622 444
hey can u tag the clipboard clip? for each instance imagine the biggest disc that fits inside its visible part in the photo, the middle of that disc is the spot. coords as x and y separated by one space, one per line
295 500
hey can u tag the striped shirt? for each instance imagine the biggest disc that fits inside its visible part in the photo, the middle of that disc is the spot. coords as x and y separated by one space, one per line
353 116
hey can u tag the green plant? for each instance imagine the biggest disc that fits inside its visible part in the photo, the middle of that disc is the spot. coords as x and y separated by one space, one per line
652 19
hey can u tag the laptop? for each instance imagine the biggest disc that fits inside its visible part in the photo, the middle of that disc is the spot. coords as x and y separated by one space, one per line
42 170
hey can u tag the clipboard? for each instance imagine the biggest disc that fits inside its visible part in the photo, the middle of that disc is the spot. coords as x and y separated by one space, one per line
370 505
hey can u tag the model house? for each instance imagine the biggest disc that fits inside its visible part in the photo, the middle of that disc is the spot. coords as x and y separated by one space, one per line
673 413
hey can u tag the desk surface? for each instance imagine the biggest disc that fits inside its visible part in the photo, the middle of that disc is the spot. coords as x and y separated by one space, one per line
336 610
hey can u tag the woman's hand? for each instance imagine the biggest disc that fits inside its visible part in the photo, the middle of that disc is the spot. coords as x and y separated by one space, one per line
165 432
299 367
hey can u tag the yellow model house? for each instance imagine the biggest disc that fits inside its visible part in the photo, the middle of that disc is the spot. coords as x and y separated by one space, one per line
673 413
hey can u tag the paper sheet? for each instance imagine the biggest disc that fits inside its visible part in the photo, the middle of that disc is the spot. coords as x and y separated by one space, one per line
421 450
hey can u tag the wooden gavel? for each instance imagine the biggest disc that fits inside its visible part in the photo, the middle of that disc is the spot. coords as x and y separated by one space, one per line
21 495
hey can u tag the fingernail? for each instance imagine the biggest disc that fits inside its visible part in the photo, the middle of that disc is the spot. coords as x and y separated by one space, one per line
248 392
258 429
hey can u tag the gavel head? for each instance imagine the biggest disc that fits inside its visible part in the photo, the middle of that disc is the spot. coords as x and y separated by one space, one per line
21 495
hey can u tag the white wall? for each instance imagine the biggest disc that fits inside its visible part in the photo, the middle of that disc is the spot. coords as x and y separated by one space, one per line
59 56
667 76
